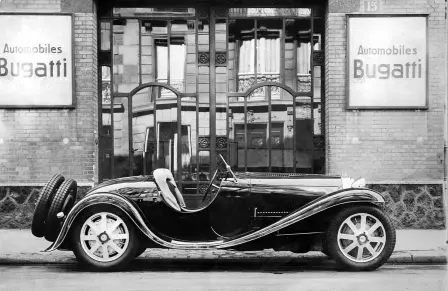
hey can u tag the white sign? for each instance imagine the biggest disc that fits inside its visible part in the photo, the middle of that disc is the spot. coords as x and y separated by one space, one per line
36 61
387 62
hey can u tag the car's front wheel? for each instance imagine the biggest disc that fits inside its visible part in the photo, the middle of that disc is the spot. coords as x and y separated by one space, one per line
360 238
104 239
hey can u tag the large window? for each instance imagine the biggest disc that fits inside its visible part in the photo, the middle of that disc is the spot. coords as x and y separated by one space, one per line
180 85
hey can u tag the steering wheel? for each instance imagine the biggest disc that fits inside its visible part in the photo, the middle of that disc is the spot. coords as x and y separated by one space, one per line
210 185
228 170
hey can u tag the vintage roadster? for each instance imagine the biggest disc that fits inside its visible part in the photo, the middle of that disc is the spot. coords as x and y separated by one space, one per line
118 219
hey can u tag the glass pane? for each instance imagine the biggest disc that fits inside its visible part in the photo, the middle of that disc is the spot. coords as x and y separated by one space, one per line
203 59
282 133
191 65
126 55
143 134
303 56
178 54
269 35
263 12
154 12
121 137
105 85
105 36
221 126
257 154
148 51
317 91
318 30
241 32
106 142
298 54
189 140
167 132
303 131
221 61
235 119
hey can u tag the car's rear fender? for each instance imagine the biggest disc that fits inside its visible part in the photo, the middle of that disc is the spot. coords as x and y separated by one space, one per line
102 198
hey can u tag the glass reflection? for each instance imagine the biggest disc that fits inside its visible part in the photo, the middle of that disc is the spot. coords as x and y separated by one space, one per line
143 137
121 137
282 132
126 61
167 146
257 155
303 132
235 119
189 140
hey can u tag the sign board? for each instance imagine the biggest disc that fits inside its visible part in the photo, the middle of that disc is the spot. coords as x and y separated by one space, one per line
387 59
36 60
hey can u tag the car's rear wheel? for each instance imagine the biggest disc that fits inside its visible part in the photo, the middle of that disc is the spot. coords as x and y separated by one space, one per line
104 239
360 238
43 204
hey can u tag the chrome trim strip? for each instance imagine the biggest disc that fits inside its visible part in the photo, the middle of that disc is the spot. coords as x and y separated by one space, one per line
299 233
315 206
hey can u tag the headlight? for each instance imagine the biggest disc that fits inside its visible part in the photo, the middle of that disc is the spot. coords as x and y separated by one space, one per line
359 183
347 182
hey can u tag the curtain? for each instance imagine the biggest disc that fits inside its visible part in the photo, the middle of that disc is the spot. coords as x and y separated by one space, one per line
177 64
303 58
268 56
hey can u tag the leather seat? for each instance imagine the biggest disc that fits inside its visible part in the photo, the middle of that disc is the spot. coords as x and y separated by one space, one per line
170 193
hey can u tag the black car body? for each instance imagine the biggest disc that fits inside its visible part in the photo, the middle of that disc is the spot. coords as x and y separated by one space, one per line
244 211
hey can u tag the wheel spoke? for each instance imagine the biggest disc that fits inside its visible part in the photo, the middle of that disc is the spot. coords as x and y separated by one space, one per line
360 251
119 236
103 222
114 226
370 248
95 248
105 252
89 237
116 248
363 222
93 227
352 226
350 247
377 239
373 228
347 236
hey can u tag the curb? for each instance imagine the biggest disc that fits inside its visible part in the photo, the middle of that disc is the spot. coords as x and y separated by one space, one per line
224 258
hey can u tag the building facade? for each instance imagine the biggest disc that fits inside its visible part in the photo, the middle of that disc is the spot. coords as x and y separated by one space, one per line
274 86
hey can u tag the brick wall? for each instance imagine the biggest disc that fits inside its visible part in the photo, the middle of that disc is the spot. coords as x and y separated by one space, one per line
30 5
385 146
37 143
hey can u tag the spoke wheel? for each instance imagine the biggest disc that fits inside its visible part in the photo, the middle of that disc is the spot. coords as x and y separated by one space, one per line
360 238
105 239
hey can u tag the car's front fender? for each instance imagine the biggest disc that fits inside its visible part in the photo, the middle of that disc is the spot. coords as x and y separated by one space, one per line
126 205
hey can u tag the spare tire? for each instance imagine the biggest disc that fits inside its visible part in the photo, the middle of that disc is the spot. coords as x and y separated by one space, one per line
63 201
43 204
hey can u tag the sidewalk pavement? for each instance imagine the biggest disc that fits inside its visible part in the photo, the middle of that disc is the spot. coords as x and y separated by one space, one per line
20 247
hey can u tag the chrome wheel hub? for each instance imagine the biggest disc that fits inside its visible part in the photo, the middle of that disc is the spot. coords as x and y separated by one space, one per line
104 237
361 237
